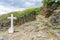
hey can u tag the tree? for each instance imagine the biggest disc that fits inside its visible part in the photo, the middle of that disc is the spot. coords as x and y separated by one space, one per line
49 1
46 1
59 0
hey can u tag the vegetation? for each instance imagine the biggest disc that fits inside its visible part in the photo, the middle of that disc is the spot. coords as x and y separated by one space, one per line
21 13
48 1
59 0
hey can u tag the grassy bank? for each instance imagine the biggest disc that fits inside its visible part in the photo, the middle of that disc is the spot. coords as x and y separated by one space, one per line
21 13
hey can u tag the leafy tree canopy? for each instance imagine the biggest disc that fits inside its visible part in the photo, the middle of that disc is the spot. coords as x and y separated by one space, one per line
48 1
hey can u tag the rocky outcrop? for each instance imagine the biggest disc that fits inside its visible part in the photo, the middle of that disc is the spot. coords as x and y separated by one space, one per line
51 12
55 20
55 17
49 8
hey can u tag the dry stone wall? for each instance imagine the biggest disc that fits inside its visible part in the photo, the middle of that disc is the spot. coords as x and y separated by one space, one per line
21 20
26 18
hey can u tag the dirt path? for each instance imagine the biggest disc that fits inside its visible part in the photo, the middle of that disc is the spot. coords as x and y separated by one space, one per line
35 30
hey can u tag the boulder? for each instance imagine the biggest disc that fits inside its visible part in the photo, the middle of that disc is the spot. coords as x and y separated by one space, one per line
55 19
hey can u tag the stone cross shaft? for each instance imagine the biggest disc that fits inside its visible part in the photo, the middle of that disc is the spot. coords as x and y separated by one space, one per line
11 29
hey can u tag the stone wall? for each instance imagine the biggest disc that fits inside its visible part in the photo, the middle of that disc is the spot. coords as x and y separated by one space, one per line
26 18
21 20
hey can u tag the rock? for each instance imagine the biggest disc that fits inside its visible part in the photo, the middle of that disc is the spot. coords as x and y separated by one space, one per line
1 38
55 19
49 8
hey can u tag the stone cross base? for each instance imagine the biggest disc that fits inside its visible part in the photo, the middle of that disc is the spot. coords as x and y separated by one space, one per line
11 30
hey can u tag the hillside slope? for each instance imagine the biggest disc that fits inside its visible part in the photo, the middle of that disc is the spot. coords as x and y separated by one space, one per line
35 30
40 29
22 17
21 13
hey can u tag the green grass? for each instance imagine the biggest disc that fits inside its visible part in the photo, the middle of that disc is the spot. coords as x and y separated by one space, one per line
20 13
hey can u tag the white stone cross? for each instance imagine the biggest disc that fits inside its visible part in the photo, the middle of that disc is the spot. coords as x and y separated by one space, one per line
11 29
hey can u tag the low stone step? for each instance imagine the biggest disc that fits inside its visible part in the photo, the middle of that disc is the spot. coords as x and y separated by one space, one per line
4 29
56 10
